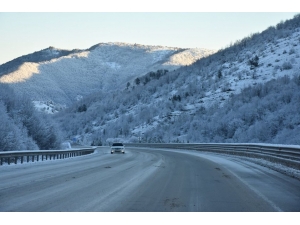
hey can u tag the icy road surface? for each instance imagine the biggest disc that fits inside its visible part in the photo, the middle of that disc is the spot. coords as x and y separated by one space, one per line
146 180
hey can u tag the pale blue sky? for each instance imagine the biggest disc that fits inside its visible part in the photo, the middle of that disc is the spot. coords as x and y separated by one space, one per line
23 33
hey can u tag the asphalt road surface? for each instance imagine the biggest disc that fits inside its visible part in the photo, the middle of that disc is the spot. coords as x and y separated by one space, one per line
143 180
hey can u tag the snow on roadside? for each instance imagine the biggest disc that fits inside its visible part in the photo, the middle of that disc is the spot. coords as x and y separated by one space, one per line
225 159
262 162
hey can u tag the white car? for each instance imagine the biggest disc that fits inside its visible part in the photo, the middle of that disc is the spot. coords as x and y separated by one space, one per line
117 147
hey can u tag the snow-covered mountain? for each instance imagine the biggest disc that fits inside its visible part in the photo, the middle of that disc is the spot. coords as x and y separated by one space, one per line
61 76
247 92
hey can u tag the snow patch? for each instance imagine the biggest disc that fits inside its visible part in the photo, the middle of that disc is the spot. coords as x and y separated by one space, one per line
189 56
113 65
24 73
48 107
66 145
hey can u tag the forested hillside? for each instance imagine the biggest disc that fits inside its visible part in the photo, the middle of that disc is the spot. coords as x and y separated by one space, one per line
247 92
22 127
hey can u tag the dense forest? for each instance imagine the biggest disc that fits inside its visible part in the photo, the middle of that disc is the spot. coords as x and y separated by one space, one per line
23 127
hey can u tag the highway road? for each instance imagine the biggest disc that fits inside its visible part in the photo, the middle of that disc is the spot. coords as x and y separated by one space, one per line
146 180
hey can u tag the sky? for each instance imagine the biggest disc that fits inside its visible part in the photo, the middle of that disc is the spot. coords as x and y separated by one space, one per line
33 29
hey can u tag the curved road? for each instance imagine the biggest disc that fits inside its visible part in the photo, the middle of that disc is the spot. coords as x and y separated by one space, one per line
146 180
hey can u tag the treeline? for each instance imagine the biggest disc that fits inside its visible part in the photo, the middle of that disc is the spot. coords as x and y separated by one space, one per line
23 127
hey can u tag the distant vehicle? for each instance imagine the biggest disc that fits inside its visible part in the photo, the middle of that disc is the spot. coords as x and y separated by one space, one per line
117 147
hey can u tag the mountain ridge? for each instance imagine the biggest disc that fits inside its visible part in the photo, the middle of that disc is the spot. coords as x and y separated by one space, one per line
35 57
59 75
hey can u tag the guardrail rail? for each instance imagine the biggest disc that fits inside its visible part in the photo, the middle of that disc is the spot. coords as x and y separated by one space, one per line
10 157
285 155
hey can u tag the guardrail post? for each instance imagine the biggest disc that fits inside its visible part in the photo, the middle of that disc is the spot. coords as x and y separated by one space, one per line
16 159
8 160
28 158
22 159
1 161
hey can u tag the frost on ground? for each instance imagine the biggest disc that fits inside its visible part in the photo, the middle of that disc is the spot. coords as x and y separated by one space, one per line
276 166
265 163
233 159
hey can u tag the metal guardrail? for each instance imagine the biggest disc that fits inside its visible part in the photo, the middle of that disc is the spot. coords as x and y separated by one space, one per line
10 157
285 155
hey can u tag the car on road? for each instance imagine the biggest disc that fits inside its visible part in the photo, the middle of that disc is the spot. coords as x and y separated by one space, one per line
117 147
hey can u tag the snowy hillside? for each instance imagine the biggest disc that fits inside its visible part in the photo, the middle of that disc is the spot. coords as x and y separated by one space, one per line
104 67
274 60
247 92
